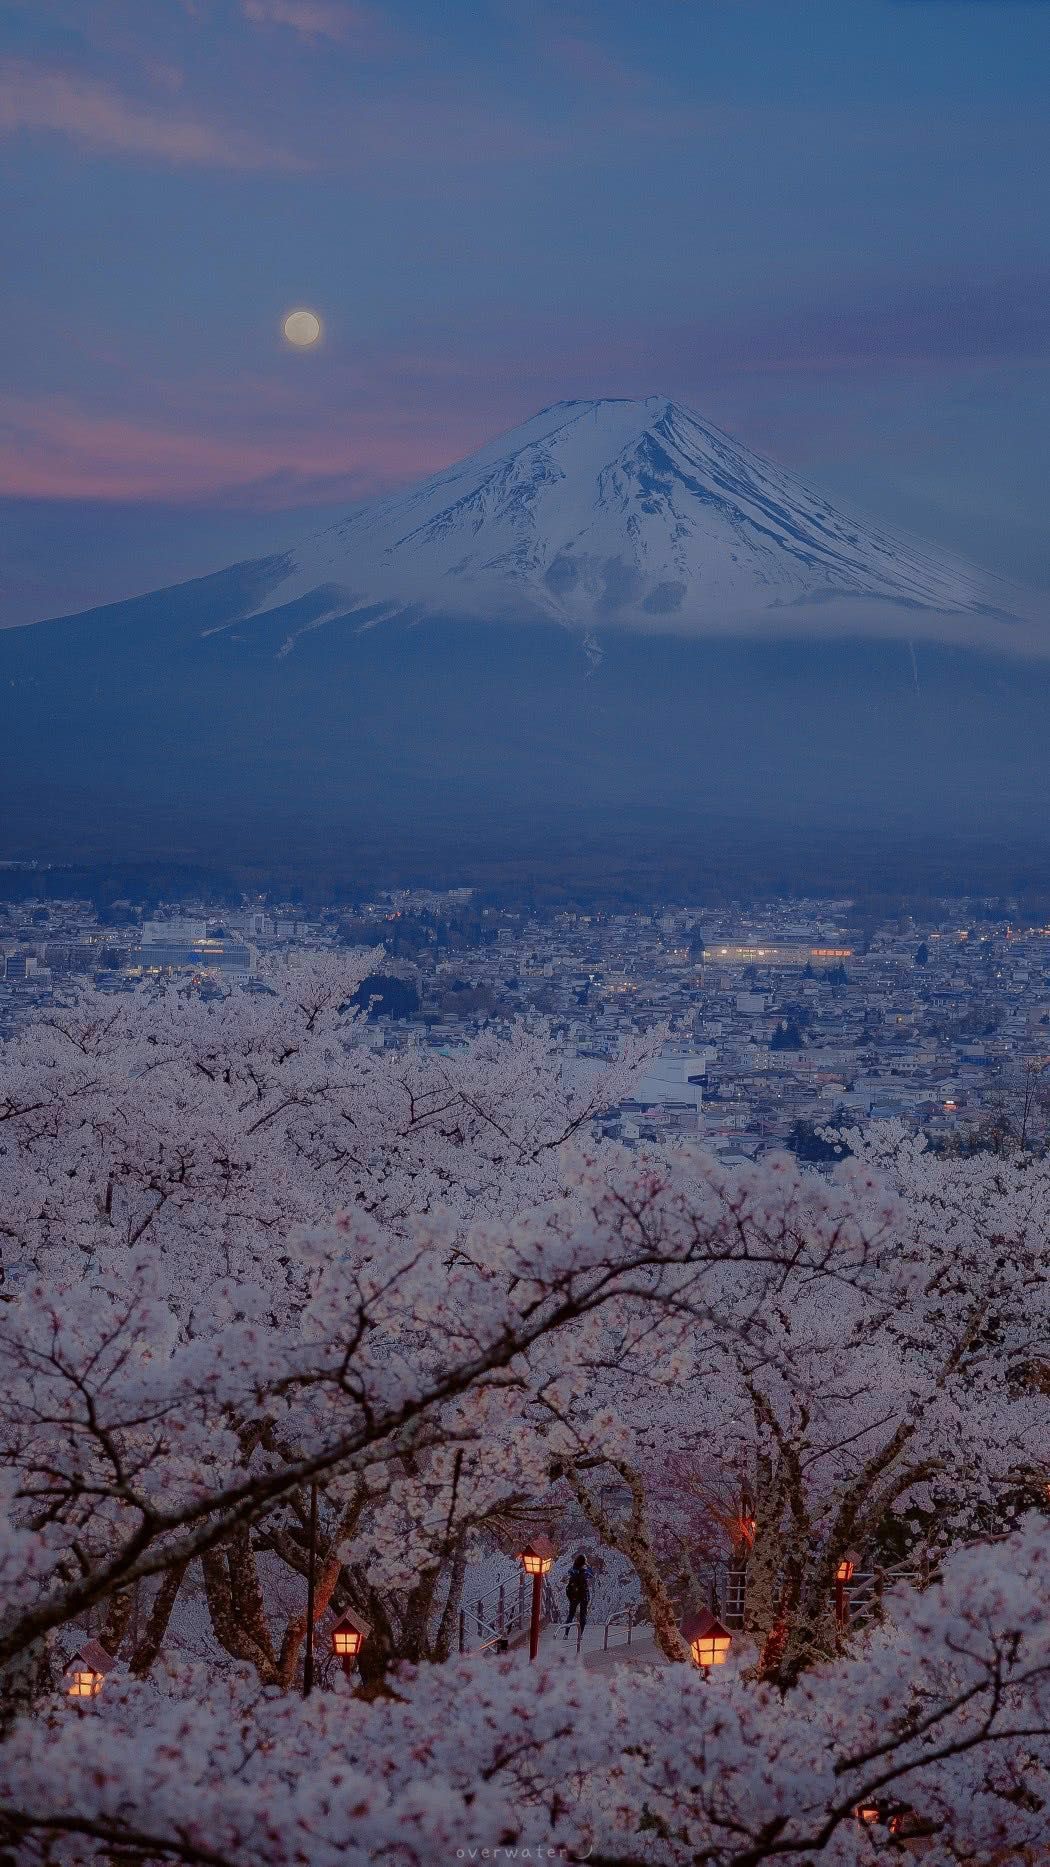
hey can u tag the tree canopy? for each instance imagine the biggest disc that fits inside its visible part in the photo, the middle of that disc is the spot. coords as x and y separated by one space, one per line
245 1255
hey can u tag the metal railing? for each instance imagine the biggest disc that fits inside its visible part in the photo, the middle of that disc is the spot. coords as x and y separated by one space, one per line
502 1616
732 1592
501 1619
623 1617
864 1595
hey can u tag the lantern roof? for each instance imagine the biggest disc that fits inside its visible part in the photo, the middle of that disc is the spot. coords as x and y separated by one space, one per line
540 1545
703 1625
91 1656
353 1623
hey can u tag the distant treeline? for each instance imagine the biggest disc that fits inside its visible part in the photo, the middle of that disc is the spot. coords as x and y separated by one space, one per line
143 884
630 865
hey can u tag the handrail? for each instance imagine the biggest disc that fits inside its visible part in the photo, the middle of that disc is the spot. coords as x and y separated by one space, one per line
865 1593
614 1619
509 1624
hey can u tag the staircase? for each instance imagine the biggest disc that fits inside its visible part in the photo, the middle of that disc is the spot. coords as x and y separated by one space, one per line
504 1615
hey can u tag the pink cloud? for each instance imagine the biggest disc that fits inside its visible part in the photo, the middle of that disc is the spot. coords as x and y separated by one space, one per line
37 98
460 129
346 425
55 449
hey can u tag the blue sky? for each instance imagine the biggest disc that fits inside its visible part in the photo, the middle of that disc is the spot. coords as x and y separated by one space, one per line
823 225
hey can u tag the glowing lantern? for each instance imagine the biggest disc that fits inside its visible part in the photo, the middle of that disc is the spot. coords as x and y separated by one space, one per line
87 1670
348 1637
844 1574
84 1683
709 1642
867 1813
537 1560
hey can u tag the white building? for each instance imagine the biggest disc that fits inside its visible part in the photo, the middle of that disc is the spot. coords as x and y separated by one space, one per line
177 932
675 1076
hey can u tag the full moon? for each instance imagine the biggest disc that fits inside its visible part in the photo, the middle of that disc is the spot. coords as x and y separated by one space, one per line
302 328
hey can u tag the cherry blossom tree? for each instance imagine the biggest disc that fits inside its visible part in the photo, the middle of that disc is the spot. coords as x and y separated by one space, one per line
503 1315
896 1399
157 1159
429 1379
212 1127
938 1728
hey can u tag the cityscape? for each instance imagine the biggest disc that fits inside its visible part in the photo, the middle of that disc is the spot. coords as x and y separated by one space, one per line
774 1024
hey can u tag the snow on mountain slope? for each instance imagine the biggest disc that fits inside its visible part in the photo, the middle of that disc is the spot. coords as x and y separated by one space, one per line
631 512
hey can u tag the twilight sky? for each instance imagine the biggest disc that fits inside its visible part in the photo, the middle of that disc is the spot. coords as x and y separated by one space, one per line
822 223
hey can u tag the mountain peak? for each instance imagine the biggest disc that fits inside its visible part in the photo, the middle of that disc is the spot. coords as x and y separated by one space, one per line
357 688
637 512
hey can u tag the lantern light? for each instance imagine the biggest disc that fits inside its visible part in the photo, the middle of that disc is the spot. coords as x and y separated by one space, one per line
348 1637
844 1573
537 1558
88 1668
709 1642
85 1683
867 1813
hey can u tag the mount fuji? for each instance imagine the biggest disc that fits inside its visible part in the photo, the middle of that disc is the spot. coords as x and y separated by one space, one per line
630 512
614 617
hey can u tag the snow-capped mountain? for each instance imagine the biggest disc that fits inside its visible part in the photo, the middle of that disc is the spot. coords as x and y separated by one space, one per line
613 623
627 511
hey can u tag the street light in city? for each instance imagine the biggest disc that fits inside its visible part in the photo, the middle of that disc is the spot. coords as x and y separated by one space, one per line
537 1559
709 1642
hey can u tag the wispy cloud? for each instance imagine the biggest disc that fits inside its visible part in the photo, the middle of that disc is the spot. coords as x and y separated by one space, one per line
360 418
56 448
83 109
585 59
941 321
341 21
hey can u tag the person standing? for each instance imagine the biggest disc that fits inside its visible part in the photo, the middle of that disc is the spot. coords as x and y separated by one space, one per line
578 1593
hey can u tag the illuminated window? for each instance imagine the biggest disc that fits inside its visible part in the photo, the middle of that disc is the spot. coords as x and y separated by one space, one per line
85 1684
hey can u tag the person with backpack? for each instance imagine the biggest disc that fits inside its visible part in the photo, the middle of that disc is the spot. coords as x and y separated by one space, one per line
578 1592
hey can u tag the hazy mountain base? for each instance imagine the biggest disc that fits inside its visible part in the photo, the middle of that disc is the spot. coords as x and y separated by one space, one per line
174 727
714 866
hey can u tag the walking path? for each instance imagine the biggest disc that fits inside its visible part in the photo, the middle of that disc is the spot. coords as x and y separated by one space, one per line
642 1651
